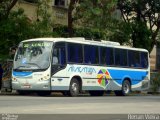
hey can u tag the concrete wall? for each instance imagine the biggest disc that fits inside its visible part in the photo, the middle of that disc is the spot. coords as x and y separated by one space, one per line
59 14
30 9
153 58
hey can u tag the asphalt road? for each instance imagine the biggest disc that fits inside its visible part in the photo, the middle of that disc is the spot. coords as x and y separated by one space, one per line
14 104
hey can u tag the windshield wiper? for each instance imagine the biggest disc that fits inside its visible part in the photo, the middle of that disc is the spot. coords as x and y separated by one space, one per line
34 64
19 67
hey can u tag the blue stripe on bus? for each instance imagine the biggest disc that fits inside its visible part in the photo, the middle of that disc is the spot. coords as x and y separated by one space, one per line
22 74
135 76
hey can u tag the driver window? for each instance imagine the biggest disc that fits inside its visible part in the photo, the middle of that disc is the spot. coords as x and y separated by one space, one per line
55 56
59 54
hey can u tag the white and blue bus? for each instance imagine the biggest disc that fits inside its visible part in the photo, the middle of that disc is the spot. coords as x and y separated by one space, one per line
73 65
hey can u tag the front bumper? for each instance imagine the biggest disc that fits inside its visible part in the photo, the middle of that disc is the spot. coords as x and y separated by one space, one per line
45 85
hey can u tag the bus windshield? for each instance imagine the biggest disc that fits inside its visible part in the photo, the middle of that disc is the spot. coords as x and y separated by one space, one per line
33 55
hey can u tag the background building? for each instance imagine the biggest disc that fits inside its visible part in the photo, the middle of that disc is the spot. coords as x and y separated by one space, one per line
153 57
57 8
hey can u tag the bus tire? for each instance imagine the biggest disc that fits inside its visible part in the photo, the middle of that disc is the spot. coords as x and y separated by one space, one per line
126 89
74 88
96 93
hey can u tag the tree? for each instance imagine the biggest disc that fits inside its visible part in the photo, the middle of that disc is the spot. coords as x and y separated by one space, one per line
13 29
43 25
158 40
5 7
15 26
143 17
72 6
99 15
96 13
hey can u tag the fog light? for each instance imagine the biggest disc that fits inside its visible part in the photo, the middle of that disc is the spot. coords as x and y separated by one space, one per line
14 79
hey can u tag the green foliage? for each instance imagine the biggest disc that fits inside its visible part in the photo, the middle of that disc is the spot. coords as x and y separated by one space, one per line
89 33
17 27
13 29
62 31
141 35
101 16
158 39
121 34
32 1
43 26
96 14
155 82
143 19
5 7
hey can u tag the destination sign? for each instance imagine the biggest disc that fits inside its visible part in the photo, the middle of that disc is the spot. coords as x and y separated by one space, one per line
36 44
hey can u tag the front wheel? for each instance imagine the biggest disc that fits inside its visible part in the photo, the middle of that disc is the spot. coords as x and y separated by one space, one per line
74 88
126 89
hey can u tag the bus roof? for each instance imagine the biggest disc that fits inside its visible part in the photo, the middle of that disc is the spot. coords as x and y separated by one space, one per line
82 40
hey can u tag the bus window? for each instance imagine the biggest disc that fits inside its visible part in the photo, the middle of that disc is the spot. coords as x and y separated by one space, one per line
106 56
144 59
91 55
75 53
134 58
131 58
55 56
59 54
103 56
124 57
137 59
117 57
121 57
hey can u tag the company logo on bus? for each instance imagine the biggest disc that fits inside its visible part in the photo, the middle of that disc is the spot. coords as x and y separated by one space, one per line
103 77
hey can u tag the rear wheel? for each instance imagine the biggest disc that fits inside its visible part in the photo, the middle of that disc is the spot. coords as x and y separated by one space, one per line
74 88
126 89
96 93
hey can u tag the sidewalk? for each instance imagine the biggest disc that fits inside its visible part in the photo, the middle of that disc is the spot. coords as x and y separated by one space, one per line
5 91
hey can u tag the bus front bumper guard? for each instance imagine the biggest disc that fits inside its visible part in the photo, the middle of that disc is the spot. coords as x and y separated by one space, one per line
45 85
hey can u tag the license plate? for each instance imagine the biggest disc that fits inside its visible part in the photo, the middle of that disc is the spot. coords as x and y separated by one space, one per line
26 86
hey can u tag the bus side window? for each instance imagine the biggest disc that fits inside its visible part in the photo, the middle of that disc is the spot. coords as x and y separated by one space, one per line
55 57
59 54
106 56
117 57
75 54
91 54
123 57
131 58
103 56
136 59
144 60
109 56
